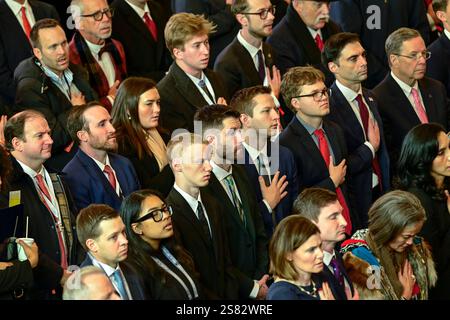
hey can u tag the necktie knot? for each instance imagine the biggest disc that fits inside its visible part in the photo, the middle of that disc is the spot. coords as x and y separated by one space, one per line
151 26
118 281
204 87
319 133
111 177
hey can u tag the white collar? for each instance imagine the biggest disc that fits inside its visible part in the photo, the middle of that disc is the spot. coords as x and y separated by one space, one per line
108 270
327 257
447 33
138 10
254 153
314 33
31 172
251 49
17 7
195 79
219 172
193 203
94 48
405 87
348 93
101 165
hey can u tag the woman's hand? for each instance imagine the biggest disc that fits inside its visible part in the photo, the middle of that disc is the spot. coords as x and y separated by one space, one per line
407 279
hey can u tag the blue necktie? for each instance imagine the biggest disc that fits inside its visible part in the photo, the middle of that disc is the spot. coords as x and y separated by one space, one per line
118 281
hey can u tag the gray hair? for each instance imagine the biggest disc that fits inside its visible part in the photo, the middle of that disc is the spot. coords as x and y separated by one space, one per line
395 40
76 287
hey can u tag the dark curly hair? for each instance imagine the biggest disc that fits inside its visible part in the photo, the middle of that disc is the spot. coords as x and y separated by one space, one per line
420 147
5 168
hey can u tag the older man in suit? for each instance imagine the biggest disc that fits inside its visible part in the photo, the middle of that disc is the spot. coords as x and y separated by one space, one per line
355 110
406 97
96 174
15 27
188 85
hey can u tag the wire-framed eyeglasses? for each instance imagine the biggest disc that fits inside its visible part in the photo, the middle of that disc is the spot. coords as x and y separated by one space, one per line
263 13
98 15
424 54
317 96
157 215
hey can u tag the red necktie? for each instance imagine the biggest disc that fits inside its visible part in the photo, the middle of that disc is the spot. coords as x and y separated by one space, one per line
111 176
364 112
151 25
325 152
319 42
46 193
25 22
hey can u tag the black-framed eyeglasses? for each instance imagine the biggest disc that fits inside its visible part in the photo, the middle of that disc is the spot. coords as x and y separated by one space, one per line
424 54
98 15
157 215
317 96
263 13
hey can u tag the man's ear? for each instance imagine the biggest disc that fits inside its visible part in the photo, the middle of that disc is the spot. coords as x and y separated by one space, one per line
82 135
441 16
242 19
177 165
37 53
332 66
17 144
295 104
178 53
91 245
245 120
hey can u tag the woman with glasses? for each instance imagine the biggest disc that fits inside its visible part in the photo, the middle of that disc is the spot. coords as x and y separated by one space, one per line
423 169
135 116
166 269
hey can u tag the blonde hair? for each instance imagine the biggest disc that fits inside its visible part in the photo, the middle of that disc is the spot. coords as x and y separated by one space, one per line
179 143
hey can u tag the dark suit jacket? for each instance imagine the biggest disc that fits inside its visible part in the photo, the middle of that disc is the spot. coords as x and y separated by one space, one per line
180 97
438 66
48 272
248 243
337 290
286 166
399 116
311 167
14 45
132 279
293 44
359 161
18 276
90 185
145 56
36 91
212 258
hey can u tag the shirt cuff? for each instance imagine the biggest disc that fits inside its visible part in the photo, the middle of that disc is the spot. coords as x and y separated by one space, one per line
275 100
254 292
110 99
367 143
267 205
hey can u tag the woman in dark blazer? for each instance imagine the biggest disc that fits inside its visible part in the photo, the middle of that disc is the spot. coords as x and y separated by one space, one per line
423 169
166 269
135 116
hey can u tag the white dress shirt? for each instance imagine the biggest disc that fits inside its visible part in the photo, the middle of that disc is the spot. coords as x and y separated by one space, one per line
407 91
16 8
102 167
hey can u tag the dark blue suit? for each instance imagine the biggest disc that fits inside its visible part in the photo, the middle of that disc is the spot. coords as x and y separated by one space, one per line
90 185
287 167
359 161
438 67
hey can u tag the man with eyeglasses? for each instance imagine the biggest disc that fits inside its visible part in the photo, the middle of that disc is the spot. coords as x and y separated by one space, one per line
355 110
406 97
91 47
49 83
318 145
299 37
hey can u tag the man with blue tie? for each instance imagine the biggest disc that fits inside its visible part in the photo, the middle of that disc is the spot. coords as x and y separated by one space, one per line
96 174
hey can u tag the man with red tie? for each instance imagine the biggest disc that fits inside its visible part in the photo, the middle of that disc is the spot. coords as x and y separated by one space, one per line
355 110
96 174
47 207
318 145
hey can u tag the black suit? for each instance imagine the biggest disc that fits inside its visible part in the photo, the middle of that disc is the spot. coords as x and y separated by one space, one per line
14 45
399 115
438 66
359 161
212 258
15 278
248 243
337 290
180 97
145 56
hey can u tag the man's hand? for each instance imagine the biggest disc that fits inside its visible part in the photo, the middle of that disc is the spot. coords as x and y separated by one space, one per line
4 265
274 80
373 134
262 292
337 173
276 191
222 100
77 99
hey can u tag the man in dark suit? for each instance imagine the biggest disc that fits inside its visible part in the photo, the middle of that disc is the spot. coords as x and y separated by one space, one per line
198 219
14 43
218 12
270 167
438 66
48 83
299 37
355 110
96 174
322 207
248 242
406 97
188 85
318 145
47 205
102 235
142 37
374 21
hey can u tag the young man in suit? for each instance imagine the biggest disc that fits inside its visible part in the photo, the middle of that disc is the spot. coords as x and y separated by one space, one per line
355 110
318 145
102 234
198 219
46 202
322 207
248 242
96 174
14 38
406 97
270 167
139 26
188 85
92 47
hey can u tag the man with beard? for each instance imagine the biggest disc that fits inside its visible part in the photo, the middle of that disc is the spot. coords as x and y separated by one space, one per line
355 110
406 97
48 83
92 47
96 174
299 37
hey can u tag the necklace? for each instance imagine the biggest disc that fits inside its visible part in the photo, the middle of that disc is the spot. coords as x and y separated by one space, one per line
312 292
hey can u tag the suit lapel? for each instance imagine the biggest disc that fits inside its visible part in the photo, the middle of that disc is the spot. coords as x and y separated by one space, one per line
186 87
160 44
123 182
133 19
247 63
241 186
14 27
332 137
428 101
